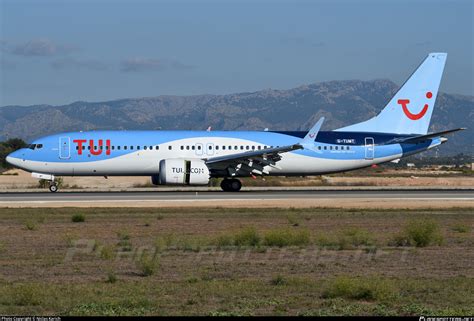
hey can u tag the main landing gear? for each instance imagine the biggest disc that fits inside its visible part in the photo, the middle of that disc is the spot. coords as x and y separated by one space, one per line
53 187
231 185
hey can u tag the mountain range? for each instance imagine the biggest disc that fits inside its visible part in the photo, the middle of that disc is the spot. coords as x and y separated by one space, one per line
341 102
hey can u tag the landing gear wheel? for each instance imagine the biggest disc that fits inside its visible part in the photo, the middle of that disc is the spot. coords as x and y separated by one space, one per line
231 185
225 185
53 188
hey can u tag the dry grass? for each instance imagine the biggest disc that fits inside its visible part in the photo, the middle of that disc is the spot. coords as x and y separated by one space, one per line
174 265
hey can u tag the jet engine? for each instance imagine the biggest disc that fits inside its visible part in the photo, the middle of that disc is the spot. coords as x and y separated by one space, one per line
182 172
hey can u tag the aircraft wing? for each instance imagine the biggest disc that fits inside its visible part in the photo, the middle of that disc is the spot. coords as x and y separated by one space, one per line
252 162
421 138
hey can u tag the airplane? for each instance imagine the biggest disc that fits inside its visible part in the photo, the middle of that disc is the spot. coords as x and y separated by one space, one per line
193 157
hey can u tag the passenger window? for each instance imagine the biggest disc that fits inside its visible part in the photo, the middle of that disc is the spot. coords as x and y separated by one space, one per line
319 147
325 147
38 146
131 147
241 147
335 147
223 147
118 147
169 147
151 147
145 147
182 147
253 147
210 147
124 147
187 147
193 147
259 147
236 147
247 147
113 147
199 147
330 147
157 147
84 147
77 147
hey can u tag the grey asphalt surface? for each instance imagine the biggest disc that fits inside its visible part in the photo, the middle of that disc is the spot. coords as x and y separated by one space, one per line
243 195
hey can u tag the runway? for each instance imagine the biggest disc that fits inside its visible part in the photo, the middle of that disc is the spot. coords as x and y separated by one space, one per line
288 198
243 195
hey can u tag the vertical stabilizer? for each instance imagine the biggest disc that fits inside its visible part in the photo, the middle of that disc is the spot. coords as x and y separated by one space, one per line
410 110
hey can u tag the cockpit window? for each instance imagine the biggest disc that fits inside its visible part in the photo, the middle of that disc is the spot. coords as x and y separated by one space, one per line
34 146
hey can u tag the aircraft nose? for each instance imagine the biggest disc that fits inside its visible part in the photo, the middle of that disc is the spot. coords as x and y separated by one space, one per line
13 158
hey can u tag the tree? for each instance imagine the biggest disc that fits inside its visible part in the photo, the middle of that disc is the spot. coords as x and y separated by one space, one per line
8 147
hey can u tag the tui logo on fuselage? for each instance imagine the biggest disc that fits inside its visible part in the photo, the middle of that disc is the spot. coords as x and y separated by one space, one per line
94 149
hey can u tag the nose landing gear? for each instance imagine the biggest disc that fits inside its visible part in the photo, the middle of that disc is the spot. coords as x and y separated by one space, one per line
231 185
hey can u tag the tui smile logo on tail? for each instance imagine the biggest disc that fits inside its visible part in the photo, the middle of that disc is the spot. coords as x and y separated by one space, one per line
405 102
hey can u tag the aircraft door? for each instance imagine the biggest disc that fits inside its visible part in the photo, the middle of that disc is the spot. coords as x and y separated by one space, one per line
64 148
369 148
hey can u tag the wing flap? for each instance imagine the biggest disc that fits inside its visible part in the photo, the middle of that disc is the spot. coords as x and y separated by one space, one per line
258 155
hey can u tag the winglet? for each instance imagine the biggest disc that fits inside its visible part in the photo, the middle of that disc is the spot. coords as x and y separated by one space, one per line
313 132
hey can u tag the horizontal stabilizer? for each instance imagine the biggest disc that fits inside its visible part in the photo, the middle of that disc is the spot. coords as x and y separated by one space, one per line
421 138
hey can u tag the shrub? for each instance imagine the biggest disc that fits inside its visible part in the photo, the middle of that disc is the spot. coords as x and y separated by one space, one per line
30 225
400 239
107 252
78 218
354 237
69 238
423 232
247 237
359 289
177 242
147 264
461 228
224 240
278 280
111 277
419 233
124 241
325 240
286 237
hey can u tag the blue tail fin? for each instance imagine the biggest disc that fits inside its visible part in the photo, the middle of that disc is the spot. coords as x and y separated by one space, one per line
410 110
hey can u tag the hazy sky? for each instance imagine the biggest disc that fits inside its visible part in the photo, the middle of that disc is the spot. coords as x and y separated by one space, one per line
58 52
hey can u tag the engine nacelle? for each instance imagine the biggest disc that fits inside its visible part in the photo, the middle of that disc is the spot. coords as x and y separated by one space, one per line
183 172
